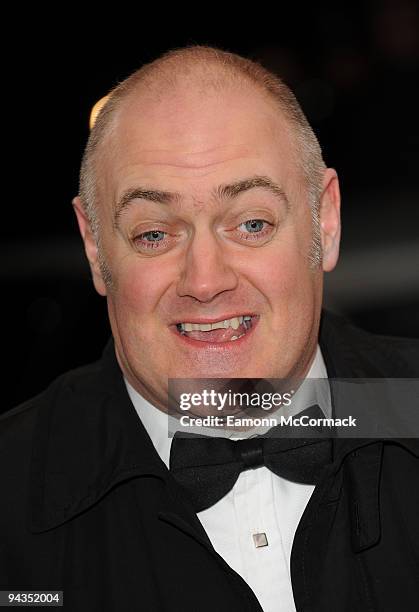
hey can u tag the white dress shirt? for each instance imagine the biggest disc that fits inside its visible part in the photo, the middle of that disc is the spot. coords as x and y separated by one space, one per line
259 503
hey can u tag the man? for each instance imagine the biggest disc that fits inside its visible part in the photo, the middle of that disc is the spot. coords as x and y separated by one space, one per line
204 200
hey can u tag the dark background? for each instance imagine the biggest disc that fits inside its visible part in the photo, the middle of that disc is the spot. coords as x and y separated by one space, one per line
354 68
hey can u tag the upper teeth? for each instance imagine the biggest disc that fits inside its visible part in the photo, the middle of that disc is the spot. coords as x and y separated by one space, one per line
234 323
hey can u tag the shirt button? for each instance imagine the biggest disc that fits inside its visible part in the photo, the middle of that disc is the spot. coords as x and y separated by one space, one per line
260 540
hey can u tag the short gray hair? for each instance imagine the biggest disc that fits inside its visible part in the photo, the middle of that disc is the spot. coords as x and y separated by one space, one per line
208 66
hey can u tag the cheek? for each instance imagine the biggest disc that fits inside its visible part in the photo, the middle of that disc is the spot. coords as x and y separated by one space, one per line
140 286
281 273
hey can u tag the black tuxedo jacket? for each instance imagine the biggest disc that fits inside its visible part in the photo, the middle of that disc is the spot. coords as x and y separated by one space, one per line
88 507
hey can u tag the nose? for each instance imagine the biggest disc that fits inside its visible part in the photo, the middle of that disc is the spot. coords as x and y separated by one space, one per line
205 270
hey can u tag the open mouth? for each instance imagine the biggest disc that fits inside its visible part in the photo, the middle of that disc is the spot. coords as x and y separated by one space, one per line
225 330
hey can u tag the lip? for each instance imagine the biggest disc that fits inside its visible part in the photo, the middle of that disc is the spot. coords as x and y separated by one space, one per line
223 346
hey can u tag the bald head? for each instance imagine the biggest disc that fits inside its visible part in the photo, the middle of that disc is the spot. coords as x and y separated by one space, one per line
202 70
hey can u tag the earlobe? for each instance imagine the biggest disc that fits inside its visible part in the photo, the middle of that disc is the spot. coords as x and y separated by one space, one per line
330 219
90 245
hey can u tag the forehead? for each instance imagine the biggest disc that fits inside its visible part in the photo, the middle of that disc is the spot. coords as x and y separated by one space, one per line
191 139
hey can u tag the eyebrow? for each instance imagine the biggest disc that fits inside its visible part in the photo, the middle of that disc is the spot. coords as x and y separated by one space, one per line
222 192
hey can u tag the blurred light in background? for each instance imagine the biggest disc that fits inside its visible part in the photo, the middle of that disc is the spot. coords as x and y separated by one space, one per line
96 110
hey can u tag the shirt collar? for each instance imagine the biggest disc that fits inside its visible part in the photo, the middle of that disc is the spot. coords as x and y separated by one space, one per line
155 422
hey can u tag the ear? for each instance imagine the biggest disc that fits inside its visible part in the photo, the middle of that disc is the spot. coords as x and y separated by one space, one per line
90 245
330 219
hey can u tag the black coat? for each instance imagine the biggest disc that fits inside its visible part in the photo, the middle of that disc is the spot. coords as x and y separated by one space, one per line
88 507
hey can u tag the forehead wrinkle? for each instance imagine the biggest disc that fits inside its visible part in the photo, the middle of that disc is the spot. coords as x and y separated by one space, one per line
186 158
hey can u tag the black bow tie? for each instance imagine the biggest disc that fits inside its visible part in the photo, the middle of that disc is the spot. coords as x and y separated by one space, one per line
207 467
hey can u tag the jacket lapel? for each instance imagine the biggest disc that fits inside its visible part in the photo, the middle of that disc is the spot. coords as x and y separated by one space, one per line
89 438
351 353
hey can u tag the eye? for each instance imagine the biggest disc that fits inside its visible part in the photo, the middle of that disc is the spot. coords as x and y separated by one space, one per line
253 225
152 236
254 230
152 239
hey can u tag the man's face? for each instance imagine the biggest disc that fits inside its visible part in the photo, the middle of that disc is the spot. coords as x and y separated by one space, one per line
205 255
